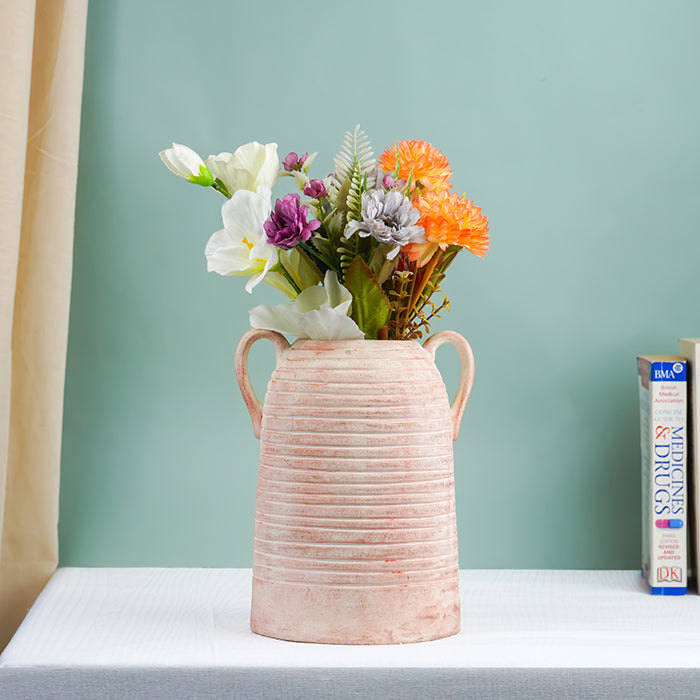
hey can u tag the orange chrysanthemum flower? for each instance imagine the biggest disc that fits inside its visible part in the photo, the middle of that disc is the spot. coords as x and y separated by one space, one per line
449 219
424 163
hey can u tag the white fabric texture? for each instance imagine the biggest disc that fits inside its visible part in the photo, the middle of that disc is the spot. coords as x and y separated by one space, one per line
137 630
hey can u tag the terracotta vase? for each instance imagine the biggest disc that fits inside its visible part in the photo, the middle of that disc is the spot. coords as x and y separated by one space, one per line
355 536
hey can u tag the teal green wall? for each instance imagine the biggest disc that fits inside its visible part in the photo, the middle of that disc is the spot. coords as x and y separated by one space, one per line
575 125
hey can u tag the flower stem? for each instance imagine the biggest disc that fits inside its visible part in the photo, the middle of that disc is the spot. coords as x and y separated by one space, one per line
219 186
425 278
287 276
435 277
314 253
417 289
406 316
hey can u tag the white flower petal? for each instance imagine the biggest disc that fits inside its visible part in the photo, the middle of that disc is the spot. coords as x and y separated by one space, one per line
311 298
329 324
173 165
249 167
250 156
318 324
241 248
182 161
246 212
219 167
253 281
225 256
337 293
320 313
269 168
275 318
355 226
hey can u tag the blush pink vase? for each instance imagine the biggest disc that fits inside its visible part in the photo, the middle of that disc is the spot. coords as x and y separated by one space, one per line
355 537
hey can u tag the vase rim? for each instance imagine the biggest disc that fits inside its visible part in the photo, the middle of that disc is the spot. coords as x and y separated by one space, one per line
355 341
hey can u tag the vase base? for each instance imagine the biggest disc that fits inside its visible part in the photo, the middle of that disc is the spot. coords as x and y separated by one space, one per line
355 615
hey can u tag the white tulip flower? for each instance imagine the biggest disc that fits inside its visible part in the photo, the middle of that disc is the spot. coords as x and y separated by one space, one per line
187 164
318 313
241 247
249 167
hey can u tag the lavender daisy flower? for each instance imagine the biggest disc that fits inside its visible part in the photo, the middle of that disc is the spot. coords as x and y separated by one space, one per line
390 218
287 225
315 189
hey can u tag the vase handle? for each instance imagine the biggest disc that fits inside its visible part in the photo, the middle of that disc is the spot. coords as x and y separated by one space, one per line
255 408
466 379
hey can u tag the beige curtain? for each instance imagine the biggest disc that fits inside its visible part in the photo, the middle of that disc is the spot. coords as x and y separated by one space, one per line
42 46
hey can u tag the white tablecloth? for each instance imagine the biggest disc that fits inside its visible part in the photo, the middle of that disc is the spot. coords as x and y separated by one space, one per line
171 633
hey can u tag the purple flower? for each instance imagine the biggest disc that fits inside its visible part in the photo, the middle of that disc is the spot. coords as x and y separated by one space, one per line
287 225
315 189
294 162
390 183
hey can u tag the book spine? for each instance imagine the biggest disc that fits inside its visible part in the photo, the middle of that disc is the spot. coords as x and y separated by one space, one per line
664 438
690 349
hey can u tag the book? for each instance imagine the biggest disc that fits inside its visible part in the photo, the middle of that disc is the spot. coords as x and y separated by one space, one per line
664 439
690 349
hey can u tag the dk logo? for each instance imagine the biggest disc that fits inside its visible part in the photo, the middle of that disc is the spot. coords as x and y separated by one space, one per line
672 574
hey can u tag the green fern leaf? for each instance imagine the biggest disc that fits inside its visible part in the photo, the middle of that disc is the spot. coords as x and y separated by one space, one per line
348 250
356 148
356 152
354 198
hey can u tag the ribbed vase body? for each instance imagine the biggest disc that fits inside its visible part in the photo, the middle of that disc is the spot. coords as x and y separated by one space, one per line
355 534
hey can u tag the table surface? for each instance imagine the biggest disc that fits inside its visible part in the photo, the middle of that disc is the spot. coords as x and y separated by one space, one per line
158 617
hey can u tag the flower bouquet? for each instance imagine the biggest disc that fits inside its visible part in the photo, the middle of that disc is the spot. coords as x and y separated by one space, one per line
360 255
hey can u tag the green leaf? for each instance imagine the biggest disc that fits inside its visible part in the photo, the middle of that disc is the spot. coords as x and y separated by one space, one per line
348 250
204 178
354 198
397 168
370 307
342 196
356 149
355 153
334 223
